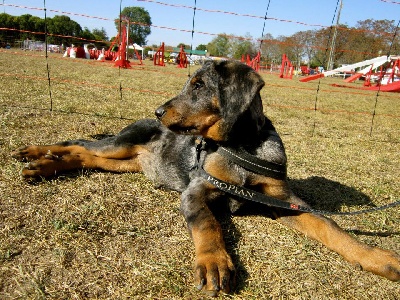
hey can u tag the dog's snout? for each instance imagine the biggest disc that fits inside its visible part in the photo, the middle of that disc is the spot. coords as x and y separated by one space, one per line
160 112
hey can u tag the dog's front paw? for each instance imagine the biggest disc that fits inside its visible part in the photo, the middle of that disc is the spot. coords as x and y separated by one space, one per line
44 167
27 153
214 272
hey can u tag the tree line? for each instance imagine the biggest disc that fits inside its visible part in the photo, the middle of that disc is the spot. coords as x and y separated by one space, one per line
59 28
63 30
367 39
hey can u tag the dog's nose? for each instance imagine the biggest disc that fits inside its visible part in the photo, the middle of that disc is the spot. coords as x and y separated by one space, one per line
160 112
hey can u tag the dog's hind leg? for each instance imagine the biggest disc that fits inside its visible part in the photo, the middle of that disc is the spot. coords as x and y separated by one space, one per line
378 261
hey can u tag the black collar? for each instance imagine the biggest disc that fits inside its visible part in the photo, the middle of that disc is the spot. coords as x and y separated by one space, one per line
242 158
252 163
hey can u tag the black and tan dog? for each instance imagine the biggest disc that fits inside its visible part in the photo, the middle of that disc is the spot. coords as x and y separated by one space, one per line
221 103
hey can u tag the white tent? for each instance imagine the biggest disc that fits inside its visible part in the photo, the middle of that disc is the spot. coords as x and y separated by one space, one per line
137 48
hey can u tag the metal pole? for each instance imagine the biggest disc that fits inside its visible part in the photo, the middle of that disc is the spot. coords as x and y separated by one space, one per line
127 39
332 51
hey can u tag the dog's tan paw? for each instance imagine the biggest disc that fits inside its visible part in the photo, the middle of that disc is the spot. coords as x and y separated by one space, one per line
214 273
384 263
27 153
391 265
39 168
20 154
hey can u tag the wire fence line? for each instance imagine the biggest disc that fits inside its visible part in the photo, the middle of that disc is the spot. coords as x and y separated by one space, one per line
121 88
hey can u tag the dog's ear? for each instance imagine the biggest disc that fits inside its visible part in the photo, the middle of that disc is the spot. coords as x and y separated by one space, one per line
239 93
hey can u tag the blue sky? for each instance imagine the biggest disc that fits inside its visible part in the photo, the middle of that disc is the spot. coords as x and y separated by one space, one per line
310 12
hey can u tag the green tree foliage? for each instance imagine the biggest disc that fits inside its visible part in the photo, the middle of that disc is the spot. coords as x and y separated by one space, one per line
231 46
219 46
184 46
63 27
24 25
242 46
60 29
139 24
87 35
201 47
100 34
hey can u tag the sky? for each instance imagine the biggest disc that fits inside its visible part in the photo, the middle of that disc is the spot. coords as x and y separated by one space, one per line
288 17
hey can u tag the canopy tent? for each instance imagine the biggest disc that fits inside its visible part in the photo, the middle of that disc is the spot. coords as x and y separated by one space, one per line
137 48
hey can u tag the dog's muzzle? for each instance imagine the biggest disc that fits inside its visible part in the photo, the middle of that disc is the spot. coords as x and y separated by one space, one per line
160 112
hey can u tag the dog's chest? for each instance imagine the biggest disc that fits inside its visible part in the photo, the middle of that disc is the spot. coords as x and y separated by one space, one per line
169 162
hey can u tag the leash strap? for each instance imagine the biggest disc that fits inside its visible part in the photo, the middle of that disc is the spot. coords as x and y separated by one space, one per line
275 169
252 195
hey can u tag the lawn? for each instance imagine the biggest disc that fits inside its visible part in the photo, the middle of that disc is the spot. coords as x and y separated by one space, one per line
94 235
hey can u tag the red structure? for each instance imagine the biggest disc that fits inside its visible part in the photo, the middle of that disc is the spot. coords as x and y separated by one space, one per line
122 58
139 57
254 63
383 76
367 81
246 60
159 57
286 68
393 73
182 59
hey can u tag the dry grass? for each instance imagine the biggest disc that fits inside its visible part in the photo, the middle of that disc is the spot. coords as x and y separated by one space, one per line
113 236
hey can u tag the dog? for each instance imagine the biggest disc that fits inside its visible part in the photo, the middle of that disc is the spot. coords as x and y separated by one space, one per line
221 104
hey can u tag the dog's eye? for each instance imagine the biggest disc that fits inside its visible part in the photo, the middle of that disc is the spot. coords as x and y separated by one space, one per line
198 85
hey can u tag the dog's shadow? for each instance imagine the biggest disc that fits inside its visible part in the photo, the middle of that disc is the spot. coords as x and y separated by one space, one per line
329 195
319 192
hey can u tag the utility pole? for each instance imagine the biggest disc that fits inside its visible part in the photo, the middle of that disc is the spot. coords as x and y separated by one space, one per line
332 51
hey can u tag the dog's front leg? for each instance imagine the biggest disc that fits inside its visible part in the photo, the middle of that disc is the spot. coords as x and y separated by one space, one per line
214 270
378 261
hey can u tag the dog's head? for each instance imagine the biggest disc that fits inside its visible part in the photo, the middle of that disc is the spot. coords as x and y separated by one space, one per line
219 100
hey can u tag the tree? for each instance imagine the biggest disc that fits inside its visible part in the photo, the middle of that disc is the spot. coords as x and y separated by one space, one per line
87 35
270 52
380 33
219 46
184 46
139 24
242 46
29 24
307 39
100 34
201 47
294 47
8 21
64 26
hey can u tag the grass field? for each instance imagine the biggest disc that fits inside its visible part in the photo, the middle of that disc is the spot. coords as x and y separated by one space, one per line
93 235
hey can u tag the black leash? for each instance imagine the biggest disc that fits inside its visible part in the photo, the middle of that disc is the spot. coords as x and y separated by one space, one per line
252 195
